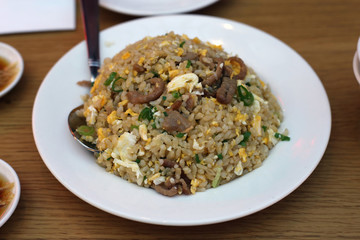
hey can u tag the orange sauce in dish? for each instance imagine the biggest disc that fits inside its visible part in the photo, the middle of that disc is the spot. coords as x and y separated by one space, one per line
7 73
6 194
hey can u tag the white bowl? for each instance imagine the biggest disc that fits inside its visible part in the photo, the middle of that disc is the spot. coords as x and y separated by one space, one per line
7 172
356 66
12 56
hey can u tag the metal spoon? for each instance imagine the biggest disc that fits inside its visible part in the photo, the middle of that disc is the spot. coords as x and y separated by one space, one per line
90 13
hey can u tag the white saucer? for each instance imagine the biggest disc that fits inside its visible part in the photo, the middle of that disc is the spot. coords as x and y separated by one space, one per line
12 56
7 172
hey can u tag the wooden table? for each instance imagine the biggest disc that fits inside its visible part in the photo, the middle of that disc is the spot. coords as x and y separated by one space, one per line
325 206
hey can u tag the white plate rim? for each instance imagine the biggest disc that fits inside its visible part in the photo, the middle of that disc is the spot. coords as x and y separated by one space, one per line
178 7
198 221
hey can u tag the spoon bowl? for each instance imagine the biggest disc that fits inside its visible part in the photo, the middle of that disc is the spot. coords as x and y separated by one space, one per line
90 12
74 122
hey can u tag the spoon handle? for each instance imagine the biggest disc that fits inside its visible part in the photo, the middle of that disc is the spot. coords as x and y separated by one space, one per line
90 14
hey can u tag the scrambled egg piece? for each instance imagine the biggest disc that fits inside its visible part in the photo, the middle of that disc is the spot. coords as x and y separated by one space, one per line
125 56
239 169
143 132
124 148
187 81
272 137
99 101
124 154
111 117
194 185
257 124
90 113
242 154
157 179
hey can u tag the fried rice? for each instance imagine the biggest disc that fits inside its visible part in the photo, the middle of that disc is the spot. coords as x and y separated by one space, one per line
180 115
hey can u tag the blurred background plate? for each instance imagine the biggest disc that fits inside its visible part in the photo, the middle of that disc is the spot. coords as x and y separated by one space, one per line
154 7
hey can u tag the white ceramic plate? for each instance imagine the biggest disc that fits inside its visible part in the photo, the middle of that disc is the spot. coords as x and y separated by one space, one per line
13 57
10 175
306 110
154 7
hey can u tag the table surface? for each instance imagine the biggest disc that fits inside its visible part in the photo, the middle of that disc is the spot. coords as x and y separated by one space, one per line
325 206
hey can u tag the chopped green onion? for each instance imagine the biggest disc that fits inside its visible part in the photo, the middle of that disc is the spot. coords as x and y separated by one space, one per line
137 160
144 178
164 98
248 84
85 130
216 180
114 87
245 96
166 114
108 159
264 128
180 135
245 139
220 156
155 73
197 159
224 141
282 137
188 64
176 94
110 78
146 113
153 126
134 126
182 44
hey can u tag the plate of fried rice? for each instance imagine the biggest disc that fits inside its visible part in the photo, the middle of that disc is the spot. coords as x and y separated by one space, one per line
195 123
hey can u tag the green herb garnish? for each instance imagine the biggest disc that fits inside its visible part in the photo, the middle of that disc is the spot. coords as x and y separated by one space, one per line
134 126
110 78
245 96
264 128
180 135
146 113
220 156
163 98
197 159
153 126
216 180
155 73
282 137
115 86
166 114
176 94
188 64
137 160
85 130
182 44
245 139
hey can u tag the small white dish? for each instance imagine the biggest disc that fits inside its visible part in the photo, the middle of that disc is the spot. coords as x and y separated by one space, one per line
7 172
356 66
12 56
155 7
